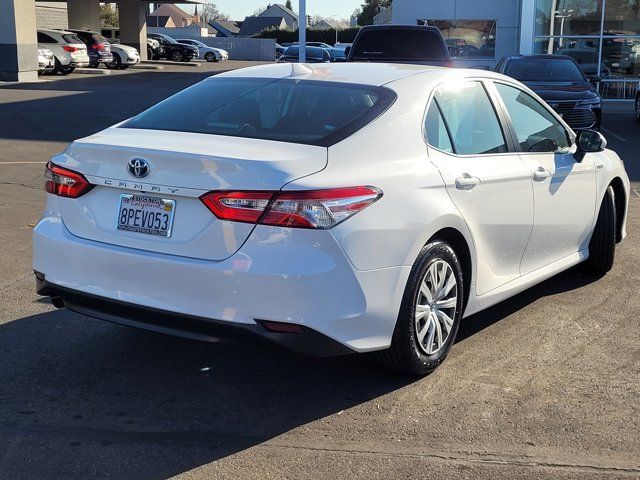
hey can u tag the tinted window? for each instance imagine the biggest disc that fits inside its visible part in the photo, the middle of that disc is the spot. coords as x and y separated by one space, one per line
44 38
544 70
99 39
471 119
534 125
311 52
396 44
288 110
69 38
436 130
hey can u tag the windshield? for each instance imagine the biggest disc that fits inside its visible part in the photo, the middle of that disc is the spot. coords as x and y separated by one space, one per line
69 38
544 70
396 44
288 110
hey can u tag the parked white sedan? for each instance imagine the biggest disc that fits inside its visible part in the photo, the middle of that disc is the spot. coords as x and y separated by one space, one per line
210 54
340 208
123 56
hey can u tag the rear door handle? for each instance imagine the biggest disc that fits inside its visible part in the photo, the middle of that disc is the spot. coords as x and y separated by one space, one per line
541 174
466 182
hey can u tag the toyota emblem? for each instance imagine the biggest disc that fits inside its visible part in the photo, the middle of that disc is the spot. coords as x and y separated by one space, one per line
138 167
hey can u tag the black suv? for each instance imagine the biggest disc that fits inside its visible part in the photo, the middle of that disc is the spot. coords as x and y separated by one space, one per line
98 47
560 82
419 44
172 50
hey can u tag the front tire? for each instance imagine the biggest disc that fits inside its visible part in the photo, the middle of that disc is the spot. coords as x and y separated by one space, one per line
430 313
602 247
210 57
115 64
177 56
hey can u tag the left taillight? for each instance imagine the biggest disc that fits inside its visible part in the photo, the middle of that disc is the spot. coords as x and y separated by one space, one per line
314 209
64 182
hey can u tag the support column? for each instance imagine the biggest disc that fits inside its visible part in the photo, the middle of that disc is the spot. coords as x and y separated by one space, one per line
133 25
18 41
527 23
84 14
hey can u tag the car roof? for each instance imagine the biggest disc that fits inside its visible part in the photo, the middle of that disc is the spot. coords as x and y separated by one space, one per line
364 73
59 32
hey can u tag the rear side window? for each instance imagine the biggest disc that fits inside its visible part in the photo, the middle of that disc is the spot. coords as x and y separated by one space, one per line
537 130
470 118
288 110
396 44
71 38
436 130
44 38
99 39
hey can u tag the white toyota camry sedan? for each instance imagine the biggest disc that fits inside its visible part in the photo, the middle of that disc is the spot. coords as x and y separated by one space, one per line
332 209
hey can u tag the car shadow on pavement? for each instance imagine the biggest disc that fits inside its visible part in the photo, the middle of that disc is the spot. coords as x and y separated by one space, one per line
568 280
81 395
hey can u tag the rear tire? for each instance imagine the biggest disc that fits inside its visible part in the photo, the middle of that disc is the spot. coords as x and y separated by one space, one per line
420 340
602 247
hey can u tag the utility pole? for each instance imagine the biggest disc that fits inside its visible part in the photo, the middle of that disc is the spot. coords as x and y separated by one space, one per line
302 31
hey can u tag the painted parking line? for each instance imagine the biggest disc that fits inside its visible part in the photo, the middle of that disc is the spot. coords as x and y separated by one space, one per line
614 135
22 163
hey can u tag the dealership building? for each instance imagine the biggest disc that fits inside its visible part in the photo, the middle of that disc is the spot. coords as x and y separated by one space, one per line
603 36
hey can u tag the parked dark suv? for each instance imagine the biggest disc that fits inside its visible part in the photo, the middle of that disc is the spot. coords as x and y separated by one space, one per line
559 81
172 50
98 47
419 44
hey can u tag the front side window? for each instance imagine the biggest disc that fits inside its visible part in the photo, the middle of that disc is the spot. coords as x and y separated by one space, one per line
470 118
536 128
282 109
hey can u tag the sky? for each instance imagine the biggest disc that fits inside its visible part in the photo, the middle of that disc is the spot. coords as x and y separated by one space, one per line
238 9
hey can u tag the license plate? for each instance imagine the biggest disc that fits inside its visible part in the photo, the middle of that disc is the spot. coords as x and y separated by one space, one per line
146 214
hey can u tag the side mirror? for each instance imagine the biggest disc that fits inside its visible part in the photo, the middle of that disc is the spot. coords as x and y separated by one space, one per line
346 51
589 141
594 78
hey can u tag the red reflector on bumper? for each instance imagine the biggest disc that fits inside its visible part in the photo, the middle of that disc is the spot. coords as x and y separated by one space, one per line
281 327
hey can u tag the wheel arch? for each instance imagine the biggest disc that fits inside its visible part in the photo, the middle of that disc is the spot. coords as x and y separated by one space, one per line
461 247
620 197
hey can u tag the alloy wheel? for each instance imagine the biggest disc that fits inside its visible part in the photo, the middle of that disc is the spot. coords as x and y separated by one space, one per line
435 307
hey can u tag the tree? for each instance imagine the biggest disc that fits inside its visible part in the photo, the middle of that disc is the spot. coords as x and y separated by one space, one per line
109 15
210 12
370 8
258 11
288 5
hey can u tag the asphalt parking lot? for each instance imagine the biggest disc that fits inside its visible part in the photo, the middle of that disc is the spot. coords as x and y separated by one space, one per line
545 385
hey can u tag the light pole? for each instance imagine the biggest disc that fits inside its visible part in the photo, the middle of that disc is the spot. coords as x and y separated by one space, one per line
335 26
563 15
302 31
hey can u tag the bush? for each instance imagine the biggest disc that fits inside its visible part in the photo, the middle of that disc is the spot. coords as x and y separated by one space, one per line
327 36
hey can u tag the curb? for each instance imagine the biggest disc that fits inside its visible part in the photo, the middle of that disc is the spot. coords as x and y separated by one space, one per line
92 71
169 62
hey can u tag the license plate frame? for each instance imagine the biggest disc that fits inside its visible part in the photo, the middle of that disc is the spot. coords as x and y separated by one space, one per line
163 206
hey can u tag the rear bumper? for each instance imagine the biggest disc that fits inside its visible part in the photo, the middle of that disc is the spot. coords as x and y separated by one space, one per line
307 341
294 276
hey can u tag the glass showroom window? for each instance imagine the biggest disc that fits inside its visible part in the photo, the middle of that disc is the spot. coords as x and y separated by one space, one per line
603 36
468 38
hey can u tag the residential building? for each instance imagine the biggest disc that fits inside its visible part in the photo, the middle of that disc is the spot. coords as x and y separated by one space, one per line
384 16
328 24
279 10
179 17
254 25
226 28
164 21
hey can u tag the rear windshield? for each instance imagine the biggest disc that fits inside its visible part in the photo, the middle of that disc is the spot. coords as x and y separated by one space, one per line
71 38
396 44
544 70
288 110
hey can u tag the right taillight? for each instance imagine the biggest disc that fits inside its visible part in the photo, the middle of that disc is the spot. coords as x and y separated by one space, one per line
319 209
64 182
69 48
